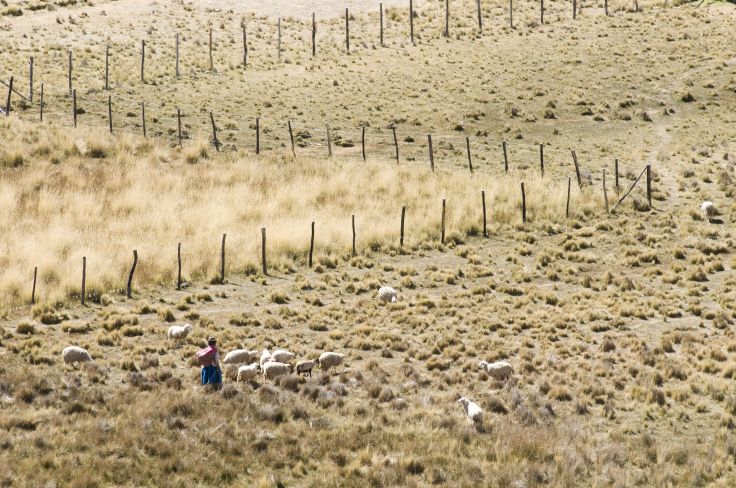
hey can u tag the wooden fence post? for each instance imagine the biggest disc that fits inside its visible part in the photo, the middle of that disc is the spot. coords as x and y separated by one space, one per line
143 117
245 48
541 11
291 138
314 35
69 72
311 246
215 141
523 204
431 152
577 168
396 144
447 18
567 205
178 124
470 158
212 63
605 192
278 43
401 235
41 104
575 9
33 290
329 142
258 135
483 200
176 66
480 17
109 112
649 184
442 229
615 169
541 158
347 31
30 80
107 68
143 60
84 277
74 106
411 20
7 102
178 274
353 225
263 251
222 260
129 289
380 8
362 141
505 157
605 7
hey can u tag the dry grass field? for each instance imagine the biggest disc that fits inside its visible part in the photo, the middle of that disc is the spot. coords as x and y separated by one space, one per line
619 327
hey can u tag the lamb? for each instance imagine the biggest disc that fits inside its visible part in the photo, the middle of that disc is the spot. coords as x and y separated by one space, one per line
387 294
75 354
282 356
328 360
500 370
273 369
708 209
179 332
248 372
265 357
304 367
473 411
240 356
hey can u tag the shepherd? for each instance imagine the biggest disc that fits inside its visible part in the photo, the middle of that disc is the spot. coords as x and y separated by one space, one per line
209 359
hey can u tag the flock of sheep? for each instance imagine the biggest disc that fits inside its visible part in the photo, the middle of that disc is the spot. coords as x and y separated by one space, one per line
244 365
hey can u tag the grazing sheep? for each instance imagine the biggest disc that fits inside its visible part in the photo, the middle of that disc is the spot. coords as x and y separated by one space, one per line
282 356
265 357
472 410
387 294
179 332
273 369
75 354
304 367
240 356
248 372
708 209
328 360
499 370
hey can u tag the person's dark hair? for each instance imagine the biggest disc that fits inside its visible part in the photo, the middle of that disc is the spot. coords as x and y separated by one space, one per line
211 340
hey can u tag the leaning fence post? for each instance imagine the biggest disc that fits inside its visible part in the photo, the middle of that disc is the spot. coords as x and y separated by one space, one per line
480 17
33 290
431 152
311 246
263 251
541 158
222 259
215 141
143 117
396 144
109 112
362 141
329 142
314 35
258 135
574 9
143 59
505 157
615 168
523 204
353 225
470 158
245 48
291 138
447 18
483 200
649 184
74 106
577 168
128 290
567 205
442 228
10 92
411 20
401 235
178 259
178 124
347 31
84 277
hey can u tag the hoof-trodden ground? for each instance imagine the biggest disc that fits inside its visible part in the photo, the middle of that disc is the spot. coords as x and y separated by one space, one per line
619 326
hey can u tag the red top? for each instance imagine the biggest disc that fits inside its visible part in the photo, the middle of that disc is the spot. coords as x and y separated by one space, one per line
207 356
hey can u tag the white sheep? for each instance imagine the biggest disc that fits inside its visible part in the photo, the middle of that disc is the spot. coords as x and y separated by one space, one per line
708 209
304 367
472 410
179 332
387 294
265 357
499 370
328 360
282 356
248 371
240 356
273 369
75 354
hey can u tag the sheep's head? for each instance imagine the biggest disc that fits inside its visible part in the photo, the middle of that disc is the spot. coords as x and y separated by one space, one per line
483 364
463 401
188 328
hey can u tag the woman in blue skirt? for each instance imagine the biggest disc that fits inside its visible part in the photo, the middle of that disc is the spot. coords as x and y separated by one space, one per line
209 359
